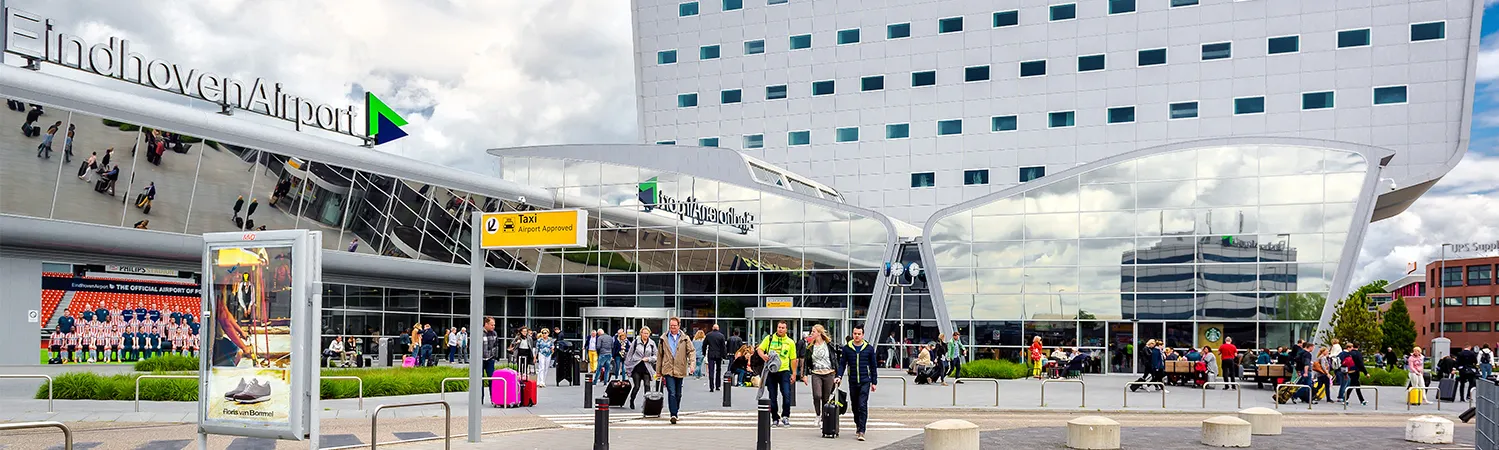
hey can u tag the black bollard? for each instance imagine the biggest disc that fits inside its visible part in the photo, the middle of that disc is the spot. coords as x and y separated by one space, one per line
763 427
728 383
587 388
601 424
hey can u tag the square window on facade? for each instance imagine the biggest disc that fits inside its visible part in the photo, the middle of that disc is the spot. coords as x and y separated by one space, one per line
708 52
1429 31
1221 50
754 47
1316 100
1478 327
666 57
975 177
926 78
1353 38
707 142
897 131
687 9
1061 119
923 179
1004 123
1183 110
1249 105
1389 95
1480 301
848 36
666 142
873 83
1033 68
754 141
850 134
1176 3
1064 12
822 87
1006 19
949 127
731 5
1152 57
1480 275
801 41
976 73
686 100
775 92
1031 173
950 25
1452 276
1090 63
897 30
730 96
1123 114
1121 6
1284 44
803 137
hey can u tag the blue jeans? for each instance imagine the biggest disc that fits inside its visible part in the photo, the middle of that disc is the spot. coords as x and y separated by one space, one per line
426 355
488 372
779 383
606 368
673 393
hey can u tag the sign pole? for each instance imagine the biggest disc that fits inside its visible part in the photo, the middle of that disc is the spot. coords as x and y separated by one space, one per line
476 260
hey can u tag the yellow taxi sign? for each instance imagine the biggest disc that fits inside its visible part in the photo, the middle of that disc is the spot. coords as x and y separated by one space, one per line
778 302
557 228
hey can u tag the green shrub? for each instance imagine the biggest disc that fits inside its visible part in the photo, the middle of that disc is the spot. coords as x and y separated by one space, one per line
111 123
378 382
91 386
1382 377
993 368
129 127
167 363
189 139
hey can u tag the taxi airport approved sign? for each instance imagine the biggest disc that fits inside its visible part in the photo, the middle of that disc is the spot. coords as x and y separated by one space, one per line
556 228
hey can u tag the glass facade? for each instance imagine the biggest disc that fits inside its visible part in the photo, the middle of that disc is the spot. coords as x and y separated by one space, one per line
1240 239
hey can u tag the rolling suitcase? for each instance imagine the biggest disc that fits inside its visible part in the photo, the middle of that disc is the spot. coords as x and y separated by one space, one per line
1447 390
618 391
830 413
1413 397
505 390
408 362
528 386
1468 415
653 402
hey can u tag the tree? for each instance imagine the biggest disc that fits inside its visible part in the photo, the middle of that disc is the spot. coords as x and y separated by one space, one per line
1398 328
1353 322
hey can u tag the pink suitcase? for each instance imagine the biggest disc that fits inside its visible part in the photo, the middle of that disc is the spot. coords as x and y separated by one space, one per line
505 391
408 362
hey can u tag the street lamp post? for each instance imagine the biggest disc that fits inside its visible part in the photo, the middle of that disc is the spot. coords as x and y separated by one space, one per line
1442 292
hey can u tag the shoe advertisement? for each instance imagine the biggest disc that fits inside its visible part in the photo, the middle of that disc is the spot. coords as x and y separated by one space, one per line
251 346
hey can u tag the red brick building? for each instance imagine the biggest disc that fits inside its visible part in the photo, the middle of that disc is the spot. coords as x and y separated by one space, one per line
1469 289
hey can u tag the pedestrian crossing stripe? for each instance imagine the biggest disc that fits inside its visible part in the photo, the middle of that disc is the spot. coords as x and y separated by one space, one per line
725 420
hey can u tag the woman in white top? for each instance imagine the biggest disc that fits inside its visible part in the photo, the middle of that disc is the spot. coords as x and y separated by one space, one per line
822 360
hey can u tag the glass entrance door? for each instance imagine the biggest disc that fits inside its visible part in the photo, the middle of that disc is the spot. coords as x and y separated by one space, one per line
1144 332
631 320
1121 347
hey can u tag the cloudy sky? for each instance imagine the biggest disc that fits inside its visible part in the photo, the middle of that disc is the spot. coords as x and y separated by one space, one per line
478 74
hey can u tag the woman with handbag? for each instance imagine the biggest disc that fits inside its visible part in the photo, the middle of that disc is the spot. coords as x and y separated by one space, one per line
822 361
640 361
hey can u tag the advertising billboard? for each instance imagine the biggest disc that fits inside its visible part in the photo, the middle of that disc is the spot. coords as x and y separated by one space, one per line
257 317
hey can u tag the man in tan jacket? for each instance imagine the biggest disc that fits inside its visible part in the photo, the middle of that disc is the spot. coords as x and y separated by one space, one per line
674 360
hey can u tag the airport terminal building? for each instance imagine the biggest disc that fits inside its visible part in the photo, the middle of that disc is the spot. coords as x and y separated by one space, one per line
1079 172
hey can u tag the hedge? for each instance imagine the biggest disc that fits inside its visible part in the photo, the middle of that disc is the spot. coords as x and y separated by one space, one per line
167 363
994 368
1382 377
380 382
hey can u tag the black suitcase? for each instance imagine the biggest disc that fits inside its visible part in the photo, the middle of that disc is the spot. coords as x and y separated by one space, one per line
830 412
1468 415
618 392
653 402
1447 390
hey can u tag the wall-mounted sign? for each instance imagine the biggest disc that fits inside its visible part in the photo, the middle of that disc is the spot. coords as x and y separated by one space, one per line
36 39
557 228
777 302
1475 247
140 270
651 197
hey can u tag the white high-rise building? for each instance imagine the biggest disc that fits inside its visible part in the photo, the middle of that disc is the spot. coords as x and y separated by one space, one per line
910 107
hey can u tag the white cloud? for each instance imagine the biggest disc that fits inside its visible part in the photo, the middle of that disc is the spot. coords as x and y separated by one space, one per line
1461 208
493 73
1488 63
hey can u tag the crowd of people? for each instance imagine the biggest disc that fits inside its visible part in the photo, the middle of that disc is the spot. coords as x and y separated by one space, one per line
427 345
121 333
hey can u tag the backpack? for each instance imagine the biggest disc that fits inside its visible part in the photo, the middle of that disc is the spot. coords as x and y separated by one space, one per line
1348 363
1200 366
1486 358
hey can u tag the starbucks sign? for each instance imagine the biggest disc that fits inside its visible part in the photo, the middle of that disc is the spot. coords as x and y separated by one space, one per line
1213 335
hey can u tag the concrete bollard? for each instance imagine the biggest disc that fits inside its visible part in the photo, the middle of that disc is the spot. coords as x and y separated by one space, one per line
1428 430
951 434
1225 431
1093 433
1262 421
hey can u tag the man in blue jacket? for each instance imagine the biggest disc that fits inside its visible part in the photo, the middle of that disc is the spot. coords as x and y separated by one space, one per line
859 358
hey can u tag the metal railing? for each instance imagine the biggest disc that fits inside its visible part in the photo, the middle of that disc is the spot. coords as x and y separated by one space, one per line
38 377
142 377
67 434
1485 424
1348 394
958 381
1064 380
1423 390
1237 388
443 390
1145 383
1278 387
361 387
447 428
902 385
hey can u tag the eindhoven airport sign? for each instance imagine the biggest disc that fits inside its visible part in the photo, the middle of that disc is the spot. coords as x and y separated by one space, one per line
34 38
650 196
